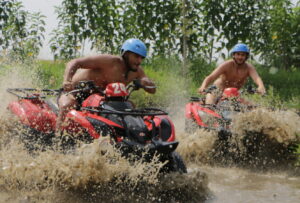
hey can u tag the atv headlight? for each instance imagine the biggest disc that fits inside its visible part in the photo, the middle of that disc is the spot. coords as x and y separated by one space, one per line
207 118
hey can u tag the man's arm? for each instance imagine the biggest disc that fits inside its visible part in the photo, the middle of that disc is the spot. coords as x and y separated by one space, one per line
91 62
212 77
256 78
149 85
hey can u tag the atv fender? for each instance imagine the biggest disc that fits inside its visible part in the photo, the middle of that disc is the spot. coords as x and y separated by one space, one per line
34 114
164 124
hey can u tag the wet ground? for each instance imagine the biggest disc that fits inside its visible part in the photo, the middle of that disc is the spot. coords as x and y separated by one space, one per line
233 172
239 185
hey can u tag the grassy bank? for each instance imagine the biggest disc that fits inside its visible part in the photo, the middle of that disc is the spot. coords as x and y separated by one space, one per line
282 86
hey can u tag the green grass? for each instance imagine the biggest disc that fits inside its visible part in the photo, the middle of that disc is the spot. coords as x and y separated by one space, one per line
282 86
51 73
286 84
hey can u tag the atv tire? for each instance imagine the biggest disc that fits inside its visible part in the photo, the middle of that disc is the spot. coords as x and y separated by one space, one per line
175 164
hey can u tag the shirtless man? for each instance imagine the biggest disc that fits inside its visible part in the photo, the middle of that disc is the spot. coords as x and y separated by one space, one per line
232 73
104 69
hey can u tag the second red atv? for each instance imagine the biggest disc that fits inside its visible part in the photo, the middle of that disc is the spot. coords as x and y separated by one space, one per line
216 117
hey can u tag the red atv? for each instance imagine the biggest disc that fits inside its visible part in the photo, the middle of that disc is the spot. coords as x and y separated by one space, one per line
101 113
216 117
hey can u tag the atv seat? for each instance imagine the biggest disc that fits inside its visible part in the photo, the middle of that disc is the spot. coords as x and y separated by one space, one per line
117 105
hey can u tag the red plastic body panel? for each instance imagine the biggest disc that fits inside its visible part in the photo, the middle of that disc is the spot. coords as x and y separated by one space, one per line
172 137
93 101
116 89
77 121
231 92
157 121
191 112
35 114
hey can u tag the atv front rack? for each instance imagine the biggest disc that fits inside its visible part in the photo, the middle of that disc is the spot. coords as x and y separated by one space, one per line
32 93
196 99
133 112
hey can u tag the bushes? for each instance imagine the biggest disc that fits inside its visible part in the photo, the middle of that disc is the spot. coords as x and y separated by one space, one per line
51 73
175 89
285 84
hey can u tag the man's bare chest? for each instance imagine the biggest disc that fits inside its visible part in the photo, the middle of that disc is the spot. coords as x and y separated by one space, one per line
236 74
105 77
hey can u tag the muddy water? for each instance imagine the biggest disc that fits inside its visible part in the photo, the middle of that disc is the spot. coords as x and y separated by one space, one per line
238 185
237 172
96 173
92 173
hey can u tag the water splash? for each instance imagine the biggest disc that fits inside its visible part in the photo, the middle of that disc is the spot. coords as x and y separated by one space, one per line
92 172
261 139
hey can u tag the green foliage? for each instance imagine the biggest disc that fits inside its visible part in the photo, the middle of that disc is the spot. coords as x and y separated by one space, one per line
106 24
51 73
21 32
284 84
199 69
85 20
281 42
188 29
171 87
233 21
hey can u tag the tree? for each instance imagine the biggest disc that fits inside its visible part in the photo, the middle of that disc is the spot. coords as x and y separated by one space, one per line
231 21
281 44
96 21
21 32
108 23
187 29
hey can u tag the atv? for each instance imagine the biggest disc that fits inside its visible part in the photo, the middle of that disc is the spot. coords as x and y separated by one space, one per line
216 117
104 113
251 147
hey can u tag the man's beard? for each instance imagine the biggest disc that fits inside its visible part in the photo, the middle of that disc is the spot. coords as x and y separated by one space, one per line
238 62
125 58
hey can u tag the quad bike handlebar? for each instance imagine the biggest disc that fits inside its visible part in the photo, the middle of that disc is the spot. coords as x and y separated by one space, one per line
134 112
137 83
86 86
82 86
89 86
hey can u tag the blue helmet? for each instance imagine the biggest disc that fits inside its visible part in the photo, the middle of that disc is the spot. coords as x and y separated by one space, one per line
135 46
240 48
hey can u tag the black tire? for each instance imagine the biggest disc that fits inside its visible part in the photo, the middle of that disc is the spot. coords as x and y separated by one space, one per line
175 164
180 165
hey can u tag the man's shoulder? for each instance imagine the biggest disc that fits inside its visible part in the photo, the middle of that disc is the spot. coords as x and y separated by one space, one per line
108 58
249 65
227 64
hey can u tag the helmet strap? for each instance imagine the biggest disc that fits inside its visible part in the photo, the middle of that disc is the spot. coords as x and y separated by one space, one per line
128 67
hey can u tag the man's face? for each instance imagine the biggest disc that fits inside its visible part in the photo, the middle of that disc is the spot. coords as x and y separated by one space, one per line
134 60
240 57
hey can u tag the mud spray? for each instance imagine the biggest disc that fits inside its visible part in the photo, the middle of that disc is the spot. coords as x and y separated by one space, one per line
91 173
255 164
260 140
